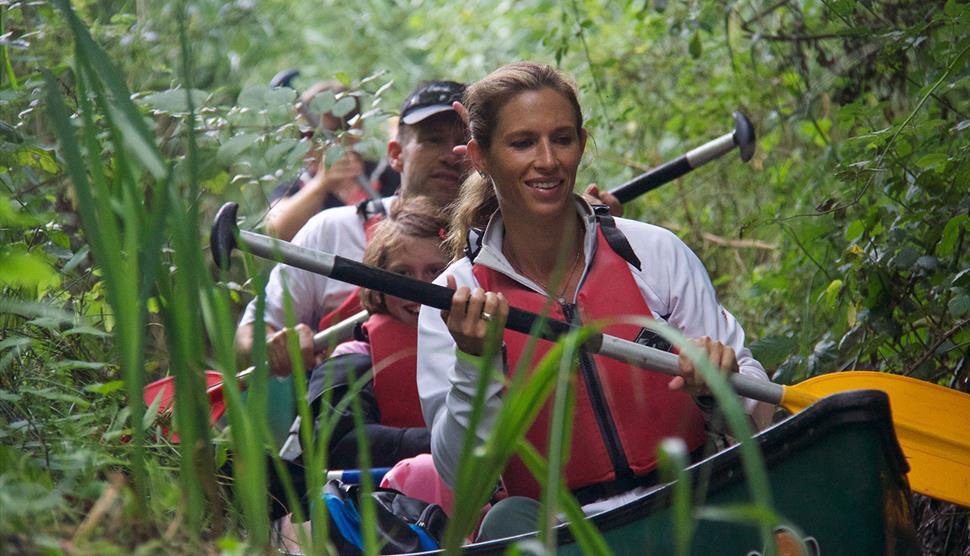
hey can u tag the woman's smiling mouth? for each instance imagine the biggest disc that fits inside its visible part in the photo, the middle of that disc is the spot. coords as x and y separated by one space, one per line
543 184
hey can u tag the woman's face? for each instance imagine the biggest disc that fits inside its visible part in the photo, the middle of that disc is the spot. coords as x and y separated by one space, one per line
416 258
534 154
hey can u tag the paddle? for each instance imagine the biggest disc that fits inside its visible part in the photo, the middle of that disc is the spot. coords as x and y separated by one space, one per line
742 137
164 389
938 449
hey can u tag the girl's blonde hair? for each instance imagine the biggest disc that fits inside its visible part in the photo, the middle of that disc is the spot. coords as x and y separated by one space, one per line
476 200
415 218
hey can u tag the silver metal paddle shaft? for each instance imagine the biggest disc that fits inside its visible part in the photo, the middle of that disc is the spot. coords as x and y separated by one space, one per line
266 247
711 150
658 360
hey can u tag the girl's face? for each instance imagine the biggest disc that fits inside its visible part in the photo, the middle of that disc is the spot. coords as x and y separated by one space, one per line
419 258
534 155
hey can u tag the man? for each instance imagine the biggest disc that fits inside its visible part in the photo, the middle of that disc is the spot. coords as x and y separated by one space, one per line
423 153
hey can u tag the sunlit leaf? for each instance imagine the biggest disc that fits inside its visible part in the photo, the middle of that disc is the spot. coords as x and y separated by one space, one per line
344 106
13 217
106 388
38 158
173 101
263 97
216 184
951 233
695 47
959 305
19 269
234 147
854 230
831 292
932 160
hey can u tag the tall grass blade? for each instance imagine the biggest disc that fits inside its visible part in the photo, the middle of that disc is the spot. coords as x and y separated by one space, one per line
560 435
522 403
672 462
588 538
104 235
138 139
752 461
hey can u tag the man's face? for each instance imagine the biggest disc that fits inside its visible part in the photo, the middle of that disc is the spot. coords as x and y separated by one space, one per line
423 155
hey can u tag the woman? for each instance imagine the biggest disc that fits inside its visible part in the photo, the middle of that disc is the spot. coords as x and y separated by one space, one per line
542 242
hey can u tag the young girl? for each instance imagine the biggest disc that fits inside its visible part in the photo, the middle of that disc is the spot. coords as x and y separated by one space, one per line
408 243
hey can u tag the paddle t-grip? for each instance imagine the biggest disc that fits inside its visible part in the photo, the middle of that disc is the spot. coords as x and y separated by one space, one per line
743 135
223 238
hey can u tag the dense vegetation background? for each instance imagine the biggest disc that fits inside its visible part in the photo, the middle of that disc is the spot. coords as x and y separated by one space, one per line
842 244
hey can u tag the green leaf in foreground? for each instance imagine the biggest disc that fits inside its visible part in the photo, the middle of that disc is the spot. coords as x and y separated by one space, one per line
20 269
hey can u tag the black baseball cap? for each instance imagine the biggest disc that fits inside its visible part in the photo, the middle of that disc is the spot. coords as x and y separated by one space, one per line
430 98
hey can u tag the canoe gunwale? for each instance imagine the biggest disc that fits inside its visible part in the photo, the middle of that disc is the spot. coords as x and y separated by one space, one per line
777 443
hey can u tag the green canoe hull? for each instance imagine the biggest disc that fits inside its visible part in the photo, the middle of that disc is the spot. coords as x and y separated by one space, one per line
837 476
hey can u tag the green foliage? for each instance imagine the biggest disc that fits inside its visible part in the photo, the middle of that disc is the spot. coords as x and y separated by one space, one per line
842 244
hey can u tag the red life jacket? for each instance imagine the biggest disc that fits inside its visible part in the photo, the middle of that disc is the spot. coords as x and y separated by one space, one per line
351 304
621 412
394 353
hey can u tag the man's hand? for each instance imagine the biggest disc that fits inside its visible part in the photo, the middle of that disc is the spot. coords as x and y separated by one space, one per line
595 196
278 351
460 150
341 176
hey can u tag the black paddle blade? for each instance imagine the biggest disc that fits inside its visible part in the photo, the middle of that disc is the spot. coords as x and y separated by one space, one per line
223 238
743 135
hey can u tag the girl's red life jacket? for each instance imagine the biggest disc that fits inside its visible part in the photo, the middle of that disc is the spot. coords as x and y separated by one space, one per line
348 308
394 350
637 409
351 304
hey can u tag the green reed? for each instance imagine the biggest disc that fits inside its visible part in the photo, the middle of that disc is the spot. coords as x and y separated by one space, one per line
139 210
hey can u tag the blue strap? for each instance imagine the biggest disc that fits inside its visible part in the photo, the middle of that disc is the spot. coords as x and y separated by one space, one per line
354 476
427 543
346 518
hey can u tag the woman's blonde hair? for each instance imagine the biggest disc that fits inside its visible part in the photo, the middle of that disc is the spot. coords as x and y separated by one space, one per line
415 218
484 99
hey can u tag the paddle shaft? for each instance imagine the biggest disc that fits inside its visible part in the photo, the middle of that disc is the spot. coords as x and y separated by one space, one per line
339 332
358 274
742 137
